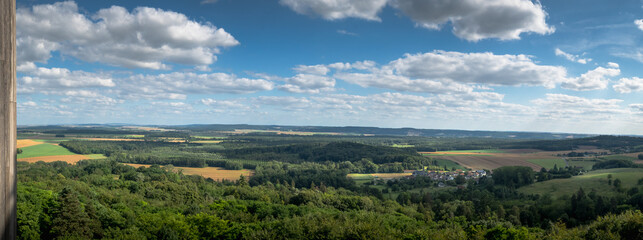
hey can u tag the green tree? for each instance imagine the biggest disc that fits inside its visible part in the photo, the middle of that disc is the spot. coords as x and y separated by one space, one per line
71 220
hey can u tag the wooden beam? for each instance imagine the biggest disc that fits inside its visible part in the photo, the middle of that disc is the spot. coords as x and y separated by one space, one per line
8 223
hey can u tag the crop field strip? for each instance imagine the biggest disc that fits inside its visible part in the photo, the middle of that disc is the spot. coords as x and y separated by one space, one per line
596 180
216 173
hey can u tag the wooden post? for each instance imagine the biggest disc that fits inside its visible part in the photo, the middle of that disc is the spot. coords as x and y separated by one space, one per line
8 223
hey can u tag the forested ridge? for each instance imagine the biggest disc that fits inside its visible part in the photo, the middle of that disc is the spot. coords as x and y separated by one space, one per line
105 199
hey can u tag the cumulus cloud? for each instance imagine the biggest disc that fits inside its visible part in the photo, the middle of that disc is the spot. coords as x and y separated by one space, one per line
444 72
474 20
313 69
87 97
571 57
638 107
592 80
178 84
337 9
50 79
639 23
566 106
308 83
628 85
143 38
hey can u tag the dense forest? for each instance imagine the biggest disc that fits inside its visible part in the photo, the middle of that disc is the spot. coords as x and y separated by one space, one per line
300 190
105 199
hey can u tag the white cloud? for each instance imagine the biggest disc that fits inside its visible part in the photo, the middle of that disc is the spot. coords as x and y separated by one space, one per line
344 32
176 85
443 72
628 85
592 80
83 97
338 9
566 106
313 69
474 20
639 23
221 103
48 79
571 57
307 83
143 38
637 107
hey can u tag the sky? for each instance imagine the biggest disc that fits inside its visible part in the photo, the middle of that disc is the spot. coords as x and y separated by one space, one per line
572 66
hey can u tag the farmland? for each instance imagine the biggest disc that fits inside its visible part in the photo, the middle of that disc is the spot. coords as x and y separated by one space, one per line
536 159
215 173
596 180
44 149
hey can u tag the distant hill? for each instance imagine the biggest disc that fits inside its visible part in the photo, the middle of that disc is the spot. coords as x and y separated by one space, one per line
437 133
447 133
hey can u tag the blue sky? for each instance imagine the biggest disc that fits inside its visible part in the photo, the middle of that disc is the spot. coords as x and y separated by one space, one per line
507 65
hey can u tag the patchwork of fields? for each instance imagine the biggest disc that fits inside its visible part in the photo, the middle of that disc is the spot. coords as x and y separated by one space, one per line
494 158
596 180
216 173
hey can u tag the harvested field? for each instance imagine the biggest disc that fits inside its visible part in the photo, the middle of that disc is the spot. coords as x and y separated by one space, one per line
112 139
362 176
26 143
73 159
215 173
478 162
491 159
208 141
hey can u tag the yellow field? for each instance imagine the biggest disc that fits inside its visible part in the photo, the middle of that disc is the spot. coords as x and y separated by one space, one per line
208 141
27 143
112 139
73 159
216 173
358 176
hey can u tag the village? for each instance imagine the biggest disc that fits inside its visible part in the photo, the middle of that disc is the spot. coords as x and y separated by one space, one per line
448 175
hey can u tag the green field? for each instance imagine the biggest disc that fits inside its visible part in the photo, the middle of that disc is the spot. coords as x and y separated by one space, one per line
619 157
477 151
592 180
43 150
402 145
96 156
548 163
585 164
135 136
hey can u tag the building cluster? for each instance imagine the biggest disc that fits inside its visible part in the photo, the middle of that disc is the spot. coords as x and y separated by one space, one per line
449 175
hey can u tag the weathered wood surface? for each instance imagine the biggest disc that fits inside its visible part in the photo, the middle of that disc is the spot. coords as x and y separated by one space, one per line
8 119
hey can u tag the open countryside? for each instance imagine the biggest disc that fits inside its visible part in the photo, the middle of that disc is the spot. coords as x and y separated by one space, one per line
215 173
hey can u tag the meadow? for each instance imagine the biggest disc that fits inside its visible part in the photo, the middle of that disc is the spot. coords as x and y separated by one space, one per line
596 180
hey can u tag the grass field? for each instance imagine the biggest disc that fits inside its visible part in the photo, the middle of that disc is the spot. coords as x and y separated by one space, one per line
449 164
208 141
135 136
592 180
548 163
619 157
215 173
368 176
44 149
402 145
585 164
